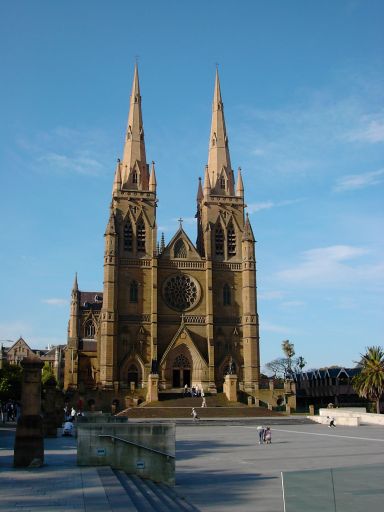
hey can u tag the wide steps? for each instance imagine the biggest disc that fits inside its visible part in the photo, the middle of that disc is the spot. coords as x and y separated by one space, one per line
130 493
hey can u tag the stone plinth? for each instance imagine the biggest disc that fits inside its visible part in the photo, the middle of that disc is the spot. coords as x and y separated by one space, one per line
29 440
312 410
230 387
153 387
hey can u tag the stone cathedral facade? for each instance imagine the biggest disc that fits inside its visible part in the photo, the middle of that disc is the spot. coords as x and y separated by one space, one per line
185 313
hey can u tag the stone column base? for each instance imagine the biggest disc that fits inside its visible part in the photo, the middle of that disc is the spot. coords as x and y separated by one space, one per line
29 442
153 383
230 387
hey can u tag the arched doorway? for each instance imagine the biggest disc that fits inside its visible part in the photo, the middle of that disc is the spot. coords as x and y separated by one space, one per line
133 375
181 372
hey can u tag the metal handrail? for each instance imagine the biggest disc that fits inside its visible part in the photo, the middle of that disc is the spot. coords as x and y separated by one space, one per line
137 445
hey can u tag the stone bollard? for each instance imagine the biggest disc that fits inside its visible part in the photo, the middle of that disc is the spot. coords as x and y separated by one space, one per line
230 387
311 410
53 414
29 440
250 400
153 388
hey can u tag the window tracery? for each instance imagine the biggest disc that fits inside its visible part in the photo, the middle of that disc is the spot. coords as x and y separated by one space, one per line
140 236
181 362
219 240
231 240
180 250
90 329
181 292
128 236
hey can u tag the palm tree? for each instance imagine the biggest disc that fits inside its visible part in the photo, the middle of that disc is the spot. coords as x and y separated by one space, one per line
369 383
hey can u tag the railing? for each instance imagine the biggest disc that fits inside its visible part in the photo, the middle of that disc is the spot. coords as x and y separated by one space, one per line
115 438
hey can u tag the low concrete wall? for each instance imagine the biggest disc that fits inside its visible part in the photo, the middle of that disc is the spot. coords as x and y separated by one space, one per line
365 418
146 450
339 420
100 417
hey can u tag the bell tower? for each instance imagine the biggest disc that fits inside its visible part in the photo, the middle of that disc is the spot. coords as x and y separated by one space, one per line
128 315
225 239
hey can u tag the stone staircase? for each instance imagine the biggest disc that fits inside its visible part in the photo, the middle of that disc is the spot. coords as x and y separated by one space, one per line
130 493
218 406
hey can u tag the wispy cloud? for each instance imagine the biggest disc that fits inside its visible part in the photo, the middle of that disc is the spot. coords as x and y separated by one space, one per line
356 181
271 295
371 130
270 327
65 150
267 205
334 265
55 302
293 303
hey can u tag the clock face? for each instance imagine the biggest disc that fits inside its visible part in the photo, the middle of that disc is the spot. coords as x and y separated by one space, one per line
181 292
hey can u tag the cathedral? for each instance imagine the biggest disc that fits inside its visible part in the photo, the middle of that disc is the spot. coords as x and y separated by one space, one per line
176 314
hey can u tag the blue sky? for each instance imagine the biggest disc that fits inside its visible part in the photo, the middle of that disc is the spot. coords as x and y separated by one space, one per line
302 84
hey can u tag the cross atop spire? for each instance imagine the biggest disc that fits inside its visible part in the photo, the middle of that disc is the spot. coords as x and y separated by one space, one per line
134 164
219 162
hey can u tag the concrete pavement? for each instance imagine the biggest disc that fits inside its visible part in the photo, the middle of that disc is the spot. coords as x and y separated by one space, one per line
219 467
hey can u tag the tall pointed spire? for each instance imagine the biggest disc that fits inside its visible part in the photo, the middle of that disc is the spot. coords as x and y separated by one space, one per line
117 181
207 182
239 184
200 194
248 235
219 162
111 226
152 178
75 287
135 172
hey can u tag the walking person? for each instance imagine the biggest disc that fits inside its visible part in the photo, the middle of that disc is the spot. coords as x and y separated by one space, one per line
268 436
204 404
331 422
260 430
194 414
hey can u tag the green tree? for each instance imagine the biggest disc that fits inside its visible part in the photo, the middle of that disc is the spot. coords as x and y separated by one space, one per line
10 382
369 383
47 376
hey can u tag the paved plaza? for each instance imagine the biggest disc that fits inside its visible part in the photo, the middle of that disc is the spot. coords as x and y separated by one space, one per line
219 467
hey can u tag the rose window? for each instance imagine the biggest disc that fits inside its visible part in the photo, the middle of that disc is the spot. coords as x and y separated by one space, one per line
181 292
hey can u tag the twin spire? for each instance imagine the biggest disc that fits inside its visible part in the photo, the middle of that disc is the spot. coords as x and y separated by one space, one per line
132 173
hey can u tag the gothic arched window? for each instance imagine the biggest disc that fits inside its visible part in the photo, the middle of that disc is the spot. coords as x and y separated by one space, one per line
128 236
219 240
134 292
90 329
140 234
226 295
180 250
222 182
231 240
134 177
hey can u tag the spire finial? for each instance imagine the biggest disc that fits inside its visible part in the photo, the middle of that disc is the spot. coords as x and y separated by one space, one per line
180 221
